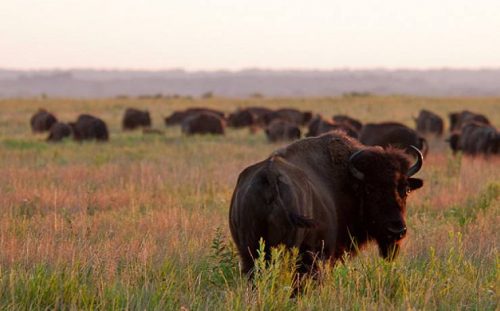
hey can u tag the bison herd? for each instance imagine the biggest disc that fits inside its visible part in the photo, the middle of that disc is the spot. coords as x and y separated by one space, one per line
470 132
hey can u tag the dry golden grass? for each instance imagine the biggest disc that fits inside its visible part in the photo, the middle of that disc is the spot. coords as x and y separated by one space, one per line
132 223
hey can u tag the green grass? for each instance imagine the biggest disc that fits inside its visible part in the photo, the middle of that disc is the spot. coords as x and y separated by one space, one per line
141 222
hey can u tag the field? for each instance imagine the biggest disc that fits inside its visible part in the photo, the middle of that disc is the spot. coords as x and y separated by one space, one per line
141 222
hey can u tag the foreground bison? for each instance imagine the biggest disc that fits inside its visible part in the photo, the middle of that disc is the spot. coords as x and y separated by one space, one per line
177 117
42 121
282 130
59 131
428 122
392 134
134 118
326 196
88 127
203 123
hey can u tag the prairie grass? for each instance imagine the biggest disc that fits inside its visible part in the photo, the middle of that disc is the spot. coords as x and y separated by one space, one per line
141 222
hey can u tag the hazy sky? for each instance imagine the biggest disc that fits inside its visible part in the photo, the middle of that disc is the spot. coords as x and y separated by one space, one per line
234 34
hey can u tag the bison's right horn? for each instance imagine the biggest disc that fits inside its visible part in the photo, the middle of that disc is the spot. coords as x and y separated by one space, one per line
418 165
354 171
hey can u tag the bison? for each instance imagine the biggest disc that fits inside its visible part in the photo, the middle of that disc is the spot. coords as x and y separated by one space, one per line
203 123
59 131
341 118
291 115
457 119
282 130
134 118
242 118
177 117
88 127
392 134
327 196
428 122
476 138
319 126
41 121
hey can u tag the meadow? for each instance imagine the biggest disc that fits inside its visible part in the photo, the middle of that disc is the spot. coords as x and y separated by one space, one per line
140 222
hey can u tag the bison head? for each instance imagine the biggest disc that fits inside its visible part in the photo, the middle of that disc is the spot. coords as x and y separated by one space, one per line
383 181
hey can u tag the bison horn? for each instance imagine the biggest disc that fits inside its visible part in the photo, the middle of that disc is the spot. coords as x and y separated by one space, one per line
418 165
354 171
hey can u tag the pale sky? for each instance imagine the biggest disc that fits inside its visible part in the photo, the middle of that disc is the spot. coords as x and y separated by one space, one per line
236 34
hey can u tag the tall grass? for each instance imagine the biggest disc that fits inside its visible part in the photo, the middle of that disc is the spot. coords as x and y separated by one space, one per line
141 222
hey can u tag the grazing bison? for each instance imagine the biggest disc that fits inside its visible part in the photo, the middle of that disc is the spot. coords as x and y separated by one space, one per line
291 115
242 118
457 119
41 121
59 131
88 127
476 138
428 122
135 118
341 118
177 117
282 130
326 196
319 126
392 134
203 123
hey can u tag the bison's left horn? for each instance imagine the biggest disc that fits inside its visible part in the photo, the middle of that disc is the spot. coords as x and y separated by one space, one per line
354 171
418 165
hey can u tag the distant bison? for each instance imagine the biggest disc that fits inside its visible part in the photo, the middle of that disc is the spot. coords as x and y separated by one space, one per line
457 119
291 115
327 196
242 118
341 118
134 118
59 131
392 134
203 123
319 126
428 122
476 138
41 121
88 127
282 130
177 117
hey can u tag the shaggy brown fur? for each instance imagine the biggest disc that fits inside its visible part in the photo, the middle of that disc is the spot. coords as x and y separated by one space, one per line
203 123
282 130
177 117
134 118
41 121
428 122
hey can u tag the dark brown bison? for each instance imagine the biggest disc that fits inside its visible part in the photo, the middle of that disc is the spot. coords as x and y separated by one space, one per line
457 119
476 138
291 115
341 118
203 123
134 118
326 196
428 122
242 118
88 127
282 130
177 117
59 131
319 126
41 121
392 134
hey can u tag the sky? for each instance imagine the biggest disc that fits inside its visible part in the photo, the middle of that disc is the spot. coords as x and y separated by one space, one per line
238 34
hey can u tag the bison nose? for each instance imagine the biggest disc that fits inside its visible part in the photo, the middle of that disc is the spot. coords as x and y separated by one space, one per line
397 229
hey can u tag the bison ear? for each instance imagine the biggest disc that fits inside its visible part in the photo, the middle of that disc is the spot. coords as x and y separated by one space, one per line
415 183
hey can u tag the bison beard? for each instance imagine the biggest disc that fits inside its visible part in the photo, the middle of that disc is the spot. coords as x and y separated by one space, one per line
326 196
